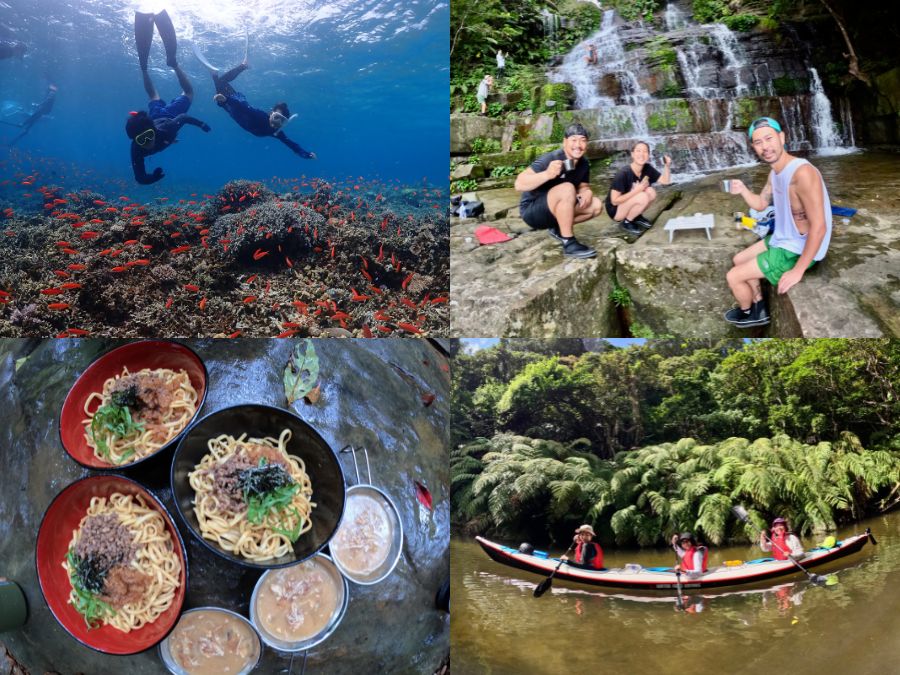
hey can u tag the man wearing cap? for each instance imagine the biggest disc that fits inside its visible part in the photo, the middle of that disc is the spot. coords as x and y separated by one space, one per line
556 192
802 225
781 543
588 554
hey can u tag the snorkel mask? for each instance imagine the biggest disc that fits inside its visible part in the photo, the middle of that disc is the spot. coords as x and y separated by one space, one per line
145 137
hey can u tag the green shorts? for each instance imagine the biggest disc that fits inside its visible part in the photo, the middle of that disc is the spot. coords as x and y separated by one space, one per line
774 262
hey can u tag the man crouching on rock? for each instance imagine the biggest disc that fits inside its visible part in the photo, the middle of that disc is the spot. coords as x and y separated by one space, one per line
802 226
556 193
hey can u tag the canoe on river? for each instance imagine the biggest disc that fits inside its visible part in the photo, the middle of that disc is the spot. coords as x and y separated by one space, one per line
663 578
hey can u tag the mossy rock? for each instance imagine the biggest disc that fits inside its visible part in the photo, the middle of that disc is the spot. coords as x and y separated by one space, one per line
670 116
513 158
790 86
561 93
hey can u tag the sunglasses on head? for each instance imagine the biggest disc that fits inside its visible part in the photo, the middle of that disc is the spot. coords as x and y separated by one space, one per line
145 137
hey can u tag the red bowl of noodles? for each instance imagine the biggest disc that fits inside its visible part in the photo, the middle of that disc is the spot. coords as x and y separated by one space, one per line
134 356
60 521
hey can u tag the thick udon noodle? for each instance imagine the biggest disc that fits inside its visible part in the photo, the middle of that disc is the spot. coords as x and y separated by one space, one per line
233 531
179 413
155 556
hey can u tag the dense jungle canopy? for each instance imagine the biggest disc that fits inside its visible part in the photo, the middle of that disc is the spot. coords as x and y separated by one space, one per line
644 441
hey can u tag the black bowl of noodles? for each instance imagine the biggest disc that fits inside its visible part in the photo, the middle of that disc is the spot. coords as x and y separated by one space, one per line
258 486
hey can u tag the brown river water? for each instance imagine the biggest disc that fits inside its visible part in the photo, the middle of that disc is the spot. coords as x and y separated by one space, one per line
851 626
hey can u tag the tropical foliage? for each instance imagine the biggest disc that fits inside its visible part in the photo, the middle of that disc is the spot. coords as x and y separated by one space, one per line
542 489
547 440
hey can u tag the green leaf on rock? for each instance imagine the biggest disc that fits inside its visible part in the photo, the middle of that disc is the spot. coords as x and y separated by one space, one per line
301 372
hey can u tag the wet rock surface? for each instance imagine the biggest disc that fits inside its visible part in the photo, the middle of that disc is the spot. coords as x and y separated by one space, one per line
371 395
679 288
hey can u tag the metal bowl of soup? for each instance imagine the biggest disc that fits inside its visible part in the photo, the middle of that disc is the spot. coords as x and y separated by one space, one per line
297 607
211 641
367 545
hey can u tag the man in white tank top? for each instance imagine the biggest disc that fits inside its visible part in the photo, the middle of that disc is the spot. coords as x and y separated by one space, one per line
802 226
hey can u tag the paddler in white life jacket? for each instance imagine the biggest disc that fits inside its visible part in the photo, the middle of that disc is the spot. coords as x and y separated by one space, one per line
783 544
693 557
588 554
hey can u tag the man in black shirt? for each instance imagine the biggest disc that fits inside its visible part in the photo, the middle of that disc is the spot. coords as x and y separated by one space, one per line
631 194
557 194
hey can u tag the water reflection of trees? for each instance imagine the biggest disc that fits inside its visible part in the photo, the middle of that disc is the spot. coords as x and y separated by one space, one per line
500 616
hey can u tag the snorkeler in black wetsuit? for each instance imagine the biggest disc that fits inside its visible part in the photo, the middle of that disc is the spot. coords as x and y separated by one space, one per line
43 108
11 48
156 131
258 122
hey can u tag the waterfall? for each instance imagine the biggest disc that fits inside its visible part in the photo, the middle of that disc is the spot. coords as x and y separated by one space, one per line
689 61
847 122
792 123
732 54
828 140
551 23
674 17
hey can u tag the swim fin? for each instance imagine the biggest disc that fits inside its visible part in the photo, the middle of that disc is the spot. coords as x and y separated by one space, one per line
167 33
143 36
202 59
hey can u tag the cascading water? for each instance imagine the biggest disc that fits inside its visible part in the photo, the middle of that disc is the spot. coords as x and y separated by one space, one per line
674 17
829 141
731 53
551 24
720 85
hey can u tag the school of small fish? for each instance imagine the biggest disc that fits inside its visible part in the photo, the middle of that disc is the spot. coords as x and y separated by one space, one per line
291 257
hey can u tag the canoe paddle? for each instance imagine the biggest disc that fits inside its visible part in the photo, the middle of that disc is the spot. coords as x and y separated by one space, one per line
741 513
680 602
545 585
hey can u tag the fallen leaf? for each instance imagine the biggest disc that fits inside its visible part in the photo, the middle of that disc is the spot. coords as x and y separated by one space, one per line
423 495
301 372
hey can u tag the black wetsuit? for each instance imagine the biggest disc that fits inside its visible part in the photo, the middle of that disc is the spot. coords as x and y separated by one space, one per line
256 121
166 131
43 108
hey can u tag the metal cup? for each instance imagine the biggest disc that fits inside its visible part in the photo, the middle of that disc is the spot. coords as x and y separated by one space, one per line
726 186
569 164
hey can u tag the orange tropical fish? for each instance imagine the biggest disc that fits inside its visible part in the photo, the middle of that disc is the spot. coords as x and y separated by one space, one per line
180 249
70 286
58 305
407 280
52 291
249 299
202 303
192 287
61 274
119 268
142 261
409 328
77 267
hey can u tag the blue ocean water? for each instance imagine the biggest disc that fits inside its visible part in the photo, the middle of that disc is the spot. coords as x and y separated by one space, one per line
368 81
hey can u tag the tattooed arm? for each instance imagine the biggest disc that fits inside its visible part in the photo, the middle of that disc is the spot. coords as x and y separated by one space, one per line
754 201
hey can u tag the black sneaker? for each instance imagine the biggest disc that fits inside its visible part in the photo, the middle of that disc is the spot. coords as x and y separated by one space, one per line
632 228
642 222
554 232
572 248
757 315
737 316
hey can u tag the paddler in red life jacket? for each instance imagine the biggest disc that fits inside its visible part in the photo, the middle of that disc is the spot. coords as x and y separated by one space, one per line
693 557
783 544
588 554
